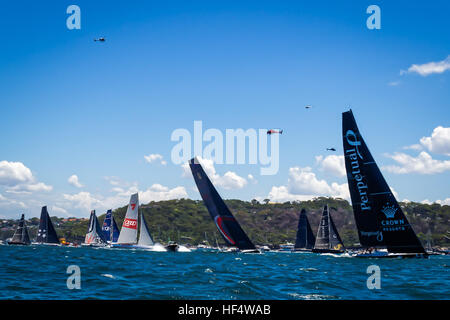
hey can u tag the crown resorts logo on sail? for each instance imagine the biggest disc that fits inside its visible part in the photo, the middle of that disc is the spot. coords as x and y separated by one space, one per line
391 224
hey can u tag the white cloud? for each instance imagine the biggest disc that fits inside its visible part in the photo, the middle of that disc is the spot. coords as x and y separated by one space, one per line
445 202
429 68
18 179
14 173
423 164
332 164
8 203
83 200
158 192
87 201
394 83
416 147
304 185
230 180
439 142
73 180
155 158
251 178
59 210
114 181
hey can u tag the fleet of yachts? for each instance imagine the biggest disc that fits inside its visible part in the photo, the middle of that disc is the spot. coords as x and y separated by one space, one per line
383 229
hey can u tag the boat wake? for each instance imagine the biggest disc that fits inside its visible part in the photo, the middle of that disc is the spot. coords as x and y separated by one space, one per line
182 248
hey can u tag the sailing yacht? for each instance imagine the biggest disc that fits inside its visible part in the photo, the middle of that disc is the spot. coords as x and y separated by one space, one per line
94 236
46 233
328 239
21 236
225 222
379 219
128 237
109 228
305 239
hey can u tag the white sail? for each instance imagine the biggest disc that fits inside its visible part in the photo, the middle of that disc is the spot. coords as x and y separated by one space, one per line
128 233
145 239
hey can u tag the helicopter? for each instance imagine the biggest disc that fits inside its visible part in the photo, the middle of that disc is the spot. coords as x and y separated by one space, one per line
271 131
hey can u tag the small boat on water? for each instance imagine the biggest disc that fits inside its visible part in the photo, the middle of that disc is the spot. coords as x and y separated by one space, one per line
305 239
94 236
172 246
21 236
379 219
46 233
328 239
224 220
128 237
287 246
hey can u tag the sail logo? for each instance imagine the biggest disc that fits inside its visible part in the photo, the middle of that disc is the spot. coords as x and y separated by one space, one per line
133 205
353 141
354 167
219 223
391 224
130 223
389 211
378 234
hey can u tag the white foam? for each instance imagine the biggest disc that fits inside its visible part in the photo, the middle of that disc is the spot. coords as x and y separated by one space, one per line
183 249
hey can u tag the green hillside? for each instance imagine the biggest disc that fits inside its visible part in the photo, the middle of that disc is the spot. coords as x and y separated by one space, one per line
187 221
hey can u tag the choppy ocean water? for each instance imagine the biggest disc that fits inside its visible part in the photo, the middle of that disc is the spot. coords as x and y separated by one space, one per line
39 272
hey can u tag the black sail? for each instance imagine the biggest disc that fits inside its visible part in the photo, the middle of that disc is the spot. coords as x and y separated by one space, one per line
379 218
323 233
21 234
227 225
335 240
305 237
46 232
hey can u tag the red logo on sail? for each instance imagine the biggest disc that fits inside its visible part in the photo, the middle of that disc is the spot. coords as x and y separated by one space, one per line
133 205
219 221
130 223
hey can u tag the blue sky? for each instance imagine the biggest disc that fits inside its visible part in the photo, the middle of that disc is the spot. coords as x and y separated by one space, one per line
72 106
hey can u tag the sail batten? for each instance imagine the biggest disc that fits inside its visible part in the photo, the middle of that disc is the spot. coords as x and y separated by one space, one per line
225 222
379 219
